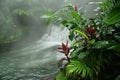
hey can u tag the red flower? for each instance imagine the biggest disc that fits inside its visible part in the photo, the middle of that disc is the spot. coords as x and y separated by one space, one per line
65 49
76 8
91 32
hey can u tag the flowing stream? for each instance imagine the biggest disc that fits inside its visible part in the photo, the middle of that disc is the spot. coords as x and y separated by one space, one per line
37 61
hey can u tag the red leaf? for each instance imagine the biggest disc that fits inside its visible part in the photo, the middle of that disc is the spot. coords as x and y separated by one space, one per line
63 46
65 49
76 8
91 32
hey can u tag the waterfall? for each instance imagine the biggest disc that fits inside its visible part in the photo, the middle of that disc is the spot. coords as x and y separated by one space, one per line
35 61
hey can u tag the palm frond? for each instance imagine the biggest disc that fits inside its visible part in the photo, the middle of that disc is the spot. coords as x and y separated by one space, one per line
89 67
114 3
78 67
114 13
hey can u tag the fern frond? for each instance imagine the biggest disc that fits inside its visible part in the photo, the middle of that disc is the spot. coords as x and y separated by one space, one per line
90 67
78 67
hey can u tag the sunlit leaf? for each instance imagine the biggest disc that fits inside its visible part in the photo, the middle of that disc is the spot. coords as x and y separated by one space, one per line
82 34
47 16
76 44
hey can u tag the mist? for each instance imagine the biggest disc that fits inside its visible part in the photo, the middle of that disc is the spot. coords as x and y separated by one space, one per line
22 18
28 46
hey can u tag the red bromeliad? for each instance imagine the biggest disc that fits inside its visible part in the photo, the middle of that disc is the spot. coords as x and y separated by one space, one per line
91 32
64 49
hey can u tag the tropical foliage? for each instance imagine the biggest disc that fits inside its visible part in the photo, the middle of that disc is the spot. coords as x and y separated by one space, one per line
95 48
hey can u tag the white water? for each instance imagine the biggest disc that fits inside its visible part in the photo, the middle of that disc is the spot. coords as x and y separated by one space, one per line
38 60
34 62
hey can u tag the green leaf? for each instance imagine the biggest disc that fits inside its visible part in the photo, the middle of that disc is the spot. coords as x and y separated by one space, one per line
82 34
82 55
101 44
47 16
71 35
75 53
113 16
91 41
66 23
76 44
79 68
118 77
105 5
116 48
60 76
50 18
76 16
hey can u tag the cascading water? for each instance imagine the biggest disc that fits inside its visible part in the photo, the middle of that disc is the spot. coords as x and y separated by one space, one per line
38 61
35 62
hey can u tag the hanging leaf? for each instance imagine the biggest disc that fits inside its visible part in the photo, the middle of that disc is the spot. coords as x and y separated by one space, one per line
82 34
76 44
46 16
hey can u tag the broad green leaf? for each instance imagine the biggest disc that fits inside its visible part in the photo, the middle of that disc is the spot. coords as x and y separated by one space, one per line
118 77
101 44
75 53
76 44
113 16
82 55
82 34
116 48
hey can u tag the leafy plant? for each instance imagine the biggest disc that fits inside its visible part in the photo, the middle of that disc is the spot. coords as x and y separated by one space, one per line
113 14
65 49
95 44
